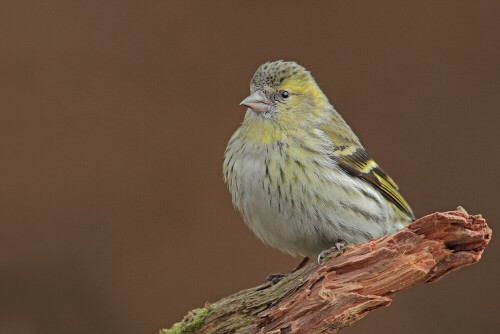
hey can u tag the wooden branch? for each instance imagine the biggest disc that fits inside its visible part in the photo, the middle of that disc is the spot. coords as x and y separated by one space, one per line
345 287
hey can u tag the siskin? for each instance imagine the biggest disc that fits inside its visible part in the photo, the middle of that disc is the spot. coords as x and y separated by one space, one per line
299 175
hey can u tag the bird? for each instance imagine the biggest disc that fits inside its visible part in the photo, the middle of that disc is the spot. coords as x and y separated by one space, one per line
298 174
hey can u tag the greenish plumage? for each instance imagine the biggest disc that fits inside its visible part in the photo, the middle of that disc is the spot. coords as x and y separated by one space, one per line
299 175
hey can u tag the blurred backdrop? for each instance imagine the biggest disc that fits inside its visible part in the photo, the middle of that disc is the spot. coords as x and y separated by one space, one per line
114 117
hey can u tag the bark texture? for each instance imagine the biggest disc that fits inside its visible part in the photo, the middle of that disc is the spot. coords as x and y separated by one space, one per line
345 287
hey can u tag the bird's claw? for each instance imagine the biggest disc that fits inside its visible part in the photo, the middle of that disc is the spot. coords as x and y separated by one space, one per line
338 246
275 278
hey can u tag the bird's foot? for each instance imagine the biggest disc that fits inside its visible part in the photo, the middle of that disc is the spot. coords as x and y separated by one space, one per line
338 246
275 278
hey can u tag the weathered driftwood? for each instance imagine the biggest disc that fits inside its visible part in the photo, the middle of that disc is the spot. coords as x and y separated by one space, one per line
345 287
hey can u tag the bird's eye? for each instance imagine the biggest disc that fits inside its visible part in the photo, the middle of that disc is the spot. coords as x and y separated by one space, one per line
285 94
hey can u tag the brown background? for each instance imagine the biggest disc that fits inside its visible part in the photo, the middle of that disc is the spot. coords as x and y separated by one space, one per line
115 116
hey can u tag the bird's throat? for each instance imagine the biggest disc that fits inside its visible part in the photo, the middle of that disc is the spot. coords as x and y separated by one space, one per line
261 131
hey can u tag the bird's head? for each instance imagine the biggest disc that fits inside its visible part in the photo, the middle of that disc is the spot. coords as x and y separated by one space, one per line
284 92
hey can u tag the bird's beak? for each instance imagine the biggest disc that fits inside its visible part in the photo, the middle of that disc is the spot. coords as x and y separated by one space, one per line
257 101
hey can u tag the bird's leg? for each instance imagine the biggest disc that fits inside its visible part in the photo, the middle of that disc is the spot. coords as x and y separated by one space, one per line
338 246
275 278
301 264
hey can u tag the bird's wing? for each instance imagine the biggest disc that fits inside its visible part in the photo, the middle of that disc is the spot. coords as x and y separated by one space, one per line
352 157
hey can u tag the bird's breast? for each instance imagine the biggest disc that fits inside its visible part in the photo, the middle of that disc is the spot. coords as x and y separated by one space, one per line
299 200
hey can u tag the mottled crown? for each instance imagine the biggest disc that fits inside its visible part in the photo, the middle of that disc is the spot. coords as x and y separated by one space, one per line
272 74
